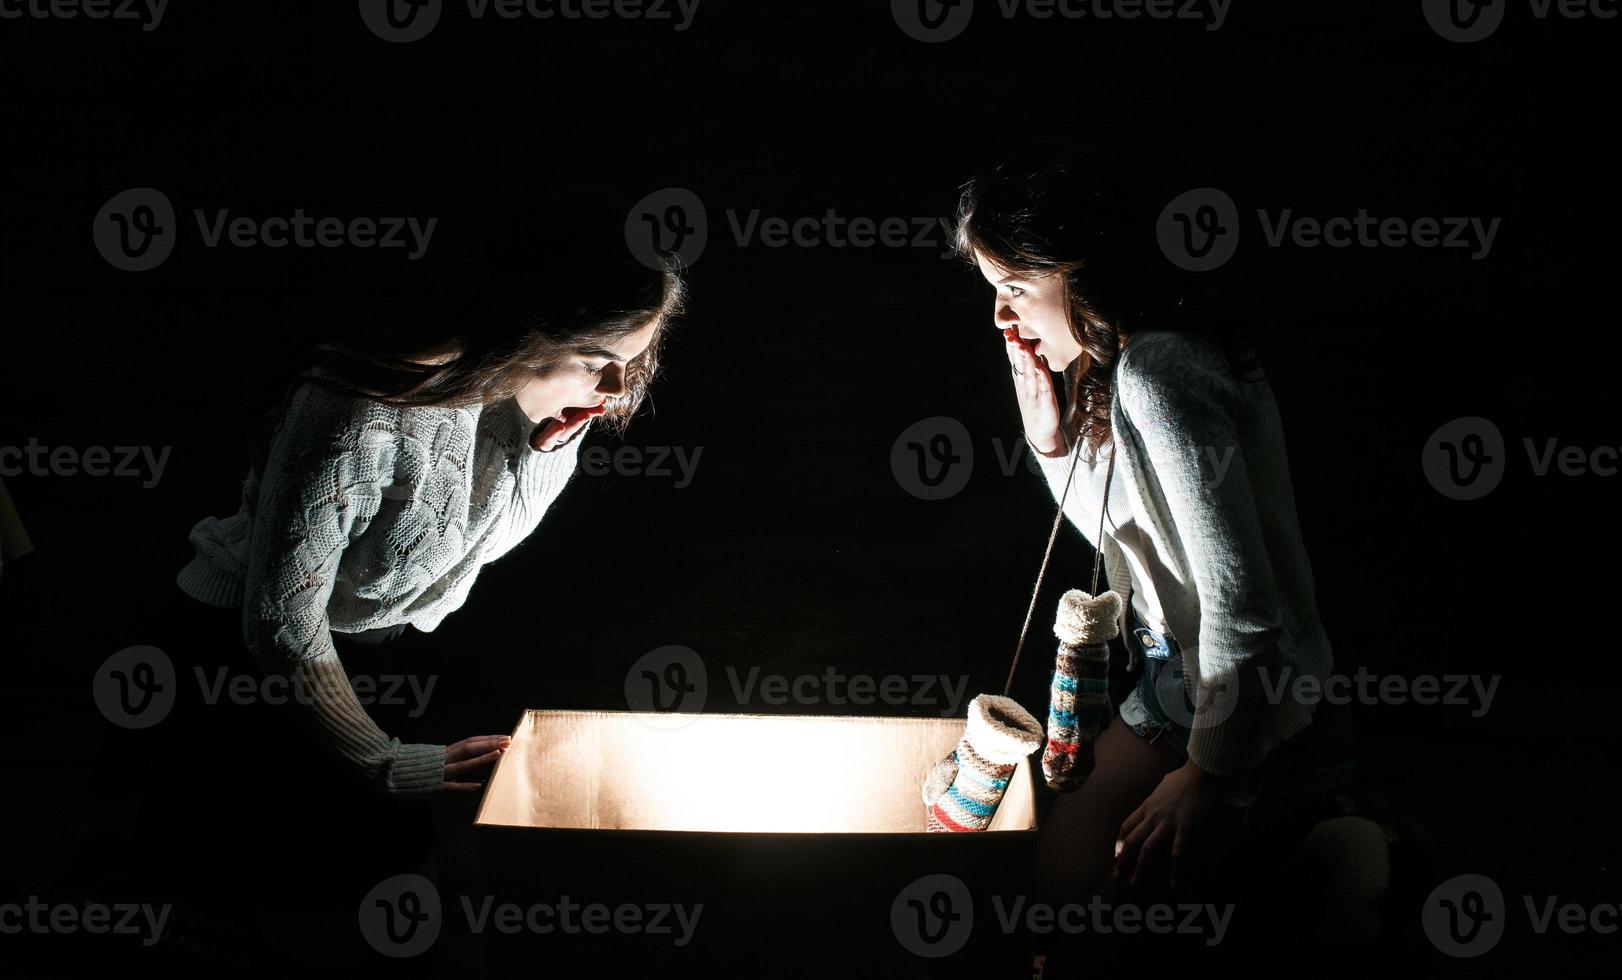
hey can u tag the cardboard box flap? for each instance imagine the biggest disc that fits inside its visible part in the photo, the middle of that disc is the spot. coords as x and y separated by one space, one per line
621 770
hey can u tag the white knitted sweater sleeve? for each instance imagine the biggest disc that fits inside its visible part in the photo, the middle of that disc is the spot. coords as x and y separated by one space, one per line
319 491
1182 406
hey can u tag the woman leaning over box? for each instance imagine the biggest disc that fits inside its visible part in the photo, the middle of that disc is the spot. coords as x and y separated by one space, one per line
426 444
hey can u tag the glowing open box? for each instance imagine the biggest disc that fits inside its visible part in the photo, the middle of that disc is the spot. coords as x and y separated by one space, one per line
797 834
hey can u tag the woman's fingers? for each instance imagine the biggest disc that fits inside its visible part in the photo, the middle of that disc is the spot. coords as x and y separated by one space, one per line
1150 853
470 765
463 787
469 748
1126 851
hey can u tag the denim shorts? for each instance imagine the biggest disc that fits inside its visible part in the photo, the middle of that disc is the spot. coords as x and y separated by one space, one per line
1316 762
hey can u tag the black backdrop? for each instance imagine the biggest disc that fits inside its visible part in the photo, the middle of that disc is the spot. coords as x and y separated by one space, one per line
794 546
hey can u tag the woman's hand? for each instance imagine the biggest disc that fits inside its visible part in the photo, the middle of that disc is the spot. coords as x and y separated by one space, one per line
1038 402
552 433
1178 821
470 755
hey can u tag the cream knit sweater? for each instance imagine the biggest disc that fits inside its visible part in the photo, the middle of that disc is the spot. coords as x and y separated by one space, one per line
369 516
1213 519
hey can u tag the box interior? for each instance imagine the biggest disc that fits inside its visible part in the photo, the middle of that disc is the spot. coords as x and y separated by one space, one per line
623 770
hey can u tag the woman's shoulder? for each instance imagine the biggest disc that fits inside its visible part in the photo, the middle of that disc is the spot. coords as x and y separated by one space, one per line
1154 353
1176 374
325 420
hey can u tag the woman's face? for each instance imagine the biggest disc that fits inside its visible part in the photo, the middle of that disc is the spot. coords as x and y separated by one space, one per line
1035 307
574 390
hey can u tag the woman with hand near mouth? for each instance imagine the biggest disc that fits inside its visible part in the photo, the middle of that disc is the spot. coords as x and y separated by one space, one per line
425 444
1156 407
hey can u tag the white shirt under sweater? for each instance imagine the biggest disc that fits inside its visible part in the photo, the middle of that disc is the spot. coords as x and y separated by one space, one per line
1205 522
369 516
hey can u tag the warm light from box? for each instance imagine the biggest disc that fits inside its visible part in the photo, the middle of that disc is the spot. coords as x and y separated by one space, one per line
727 773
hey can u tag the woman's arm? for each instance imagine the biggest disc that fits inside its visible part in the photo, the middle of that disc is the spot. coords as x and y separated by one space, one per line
319 490
1181 404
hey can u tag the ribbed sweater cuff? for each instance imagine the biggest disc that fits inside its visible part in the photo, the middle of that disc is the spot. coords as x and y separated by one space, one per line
415 770
207 584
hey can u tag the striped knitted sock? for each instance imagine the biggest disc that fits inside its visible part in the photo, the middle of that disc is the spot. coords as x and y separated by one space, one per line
962 790
1079 707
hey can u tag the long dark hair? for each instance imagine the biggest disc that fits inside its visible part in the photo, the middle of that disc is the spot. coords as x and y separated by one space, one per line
1058 209
533 292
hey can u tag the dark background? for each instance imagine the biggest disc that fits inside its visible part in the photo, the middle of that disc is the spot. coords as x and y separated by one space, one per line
794 547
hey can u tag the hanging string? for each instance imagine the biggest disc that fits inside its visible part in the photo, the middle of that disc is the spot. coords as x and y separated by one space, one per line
1058 518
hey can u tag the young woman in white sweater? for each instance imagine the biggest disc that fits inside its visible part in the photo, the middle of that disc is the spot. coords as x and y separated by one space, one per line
425 443
1108 357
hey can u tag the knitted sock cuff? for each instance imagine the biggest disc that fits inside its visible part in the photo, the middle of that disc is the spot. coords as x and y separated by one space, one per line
1000 730
1084 618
